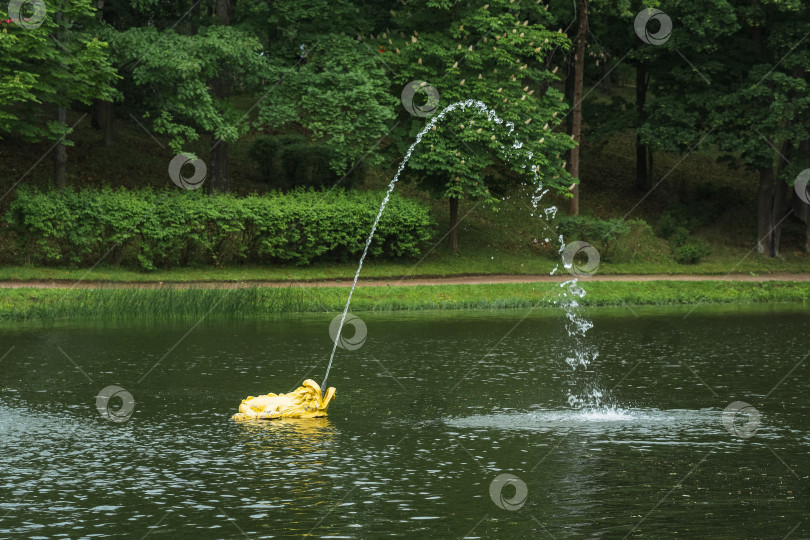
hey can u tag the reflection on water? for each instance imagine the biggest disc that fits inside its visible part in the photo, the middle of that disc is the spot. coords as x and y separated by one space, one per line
305 446
401 454
307 434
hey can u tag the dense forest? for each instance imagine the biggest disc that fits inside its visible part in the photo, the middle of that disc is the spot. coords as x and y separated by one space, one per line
321 94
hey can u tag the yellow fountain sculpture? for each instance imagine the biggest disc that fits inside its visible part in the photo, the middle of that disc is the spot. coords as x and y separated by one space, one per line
305 402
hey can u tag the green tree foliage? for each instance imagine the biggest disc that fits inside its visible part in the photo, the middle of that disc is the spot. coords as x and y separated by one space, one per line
338 95
764 114
678 117
172 75
330 86
613 22
285 25
494 53
746 90
732 74
49 68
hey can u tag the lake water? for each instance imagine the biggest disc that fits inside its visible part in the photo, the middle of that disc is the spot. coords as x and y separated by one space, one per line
430 413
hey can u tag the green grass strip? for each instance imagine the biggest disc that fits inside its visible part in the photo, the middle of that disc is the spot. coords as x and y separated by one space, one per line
112 304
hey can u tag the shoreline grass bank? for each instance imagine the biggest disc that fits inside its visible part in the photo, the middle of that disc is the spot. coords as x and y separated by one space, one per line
26 304
443 266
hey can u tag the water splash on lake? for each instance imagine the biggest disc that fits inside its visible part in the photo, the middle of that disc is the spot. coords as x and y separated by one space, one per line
576 326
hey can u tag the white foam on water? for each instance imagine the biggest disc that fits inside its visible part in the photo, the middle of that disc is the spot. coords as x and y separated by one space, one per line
644 426
607 415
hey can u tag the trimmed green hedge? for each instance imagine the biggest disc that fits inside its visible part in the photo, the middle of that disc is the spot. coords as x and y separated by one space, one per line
182 228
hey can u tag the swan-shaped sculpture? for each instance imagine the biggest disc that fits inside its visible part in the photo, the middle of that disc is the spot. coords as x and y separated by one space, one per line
305 402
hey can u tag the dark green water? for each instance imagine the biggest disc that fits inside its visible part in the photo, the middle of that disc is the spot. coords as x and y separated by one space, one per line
429 412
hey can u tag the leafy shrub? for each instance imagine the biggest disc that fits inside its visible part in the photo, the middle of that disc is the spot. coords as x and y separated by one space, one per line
290 161
691 252
182 228
686 249
698 208
668 223
678 237
602 234
640 244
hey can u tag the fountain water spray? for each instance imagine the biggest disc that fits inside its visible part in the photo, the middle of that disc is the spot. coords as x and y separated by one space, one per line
580 325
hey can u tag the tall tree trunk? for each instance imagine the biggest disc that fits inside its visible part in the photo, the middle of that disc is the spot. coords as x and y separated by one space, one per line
96 113
220 174
109 116
764 210
766 174
102 110
607 82
568 90
454 224
222 12
642 174
60 153
778 214
804 150
95 119
196 13
103 120
576 120
807 231
779 201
